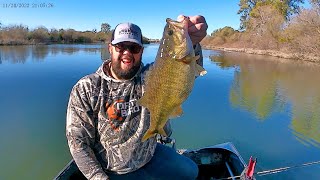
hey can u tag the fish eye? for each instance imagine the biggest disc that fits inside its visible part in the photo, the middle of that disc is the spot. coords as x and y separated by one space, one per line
170 32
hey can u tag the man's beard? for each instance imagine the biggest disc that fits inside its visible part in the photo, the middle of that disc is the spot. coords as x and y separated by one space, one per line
125 74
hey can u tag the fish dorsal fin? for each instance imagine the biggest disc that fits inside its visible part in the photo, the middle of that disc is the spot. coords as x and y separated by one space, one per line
200 71
176 112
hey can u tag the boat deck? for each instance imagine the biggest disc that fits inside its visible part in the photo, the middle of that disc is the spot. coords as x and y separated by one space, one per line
214 162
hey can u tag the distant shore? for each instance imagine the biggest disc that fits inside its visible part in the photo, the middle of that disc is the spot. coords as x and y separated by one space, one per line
49 43
280 54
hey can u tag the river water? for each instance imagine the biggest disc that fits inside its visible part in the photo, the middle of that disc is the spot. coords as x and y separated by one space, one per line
268 107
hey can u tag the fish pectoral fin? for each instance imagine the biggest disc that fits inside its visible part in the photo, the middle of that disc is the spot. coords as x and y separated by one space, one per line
200 71
189 59
195 58
142 101
176 112
152 132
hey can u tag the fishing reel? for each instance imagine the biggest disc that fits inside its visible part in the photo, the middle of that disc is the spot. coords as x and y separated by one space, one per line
166 140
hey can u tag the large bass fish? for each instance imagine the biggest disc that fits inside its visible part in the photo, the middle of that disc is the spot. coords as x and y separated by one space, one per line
170 80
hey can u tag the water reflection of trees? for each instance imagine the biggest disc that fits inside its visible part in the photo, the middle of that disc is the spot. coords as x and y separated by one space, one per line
303 89
39 53
264 85
20 54
17 54
254 87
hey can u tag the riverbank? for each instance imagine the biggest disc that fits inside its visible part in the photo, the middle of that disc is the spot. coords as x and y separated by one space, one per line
280 54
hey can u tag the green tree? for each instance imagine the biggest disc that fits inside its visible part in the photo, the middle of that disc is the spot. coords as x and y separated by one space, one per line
265 21
244 11
286 7
69 35
222 36
145 40
54 35
105 27
224 32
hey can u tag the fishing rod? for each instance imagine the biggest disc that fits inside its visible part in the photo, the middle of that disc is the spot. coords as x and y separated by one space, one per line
278 170
274 171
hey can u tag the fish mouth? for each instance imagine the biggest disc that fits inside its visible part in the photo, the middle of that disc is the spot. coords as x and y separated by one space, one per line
177 23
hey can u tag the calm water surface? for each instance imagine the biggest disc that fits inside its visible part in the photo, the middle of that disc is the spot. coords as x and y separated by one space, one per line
268 107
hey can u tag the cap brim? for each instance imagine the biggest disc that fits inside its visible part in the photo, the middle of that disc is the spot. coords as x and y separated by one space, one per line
119 40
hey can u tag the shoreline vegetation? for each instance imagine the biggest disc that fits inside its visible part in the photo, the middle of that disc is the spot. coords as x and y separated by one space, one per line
268 27
281 54
22 35
272 27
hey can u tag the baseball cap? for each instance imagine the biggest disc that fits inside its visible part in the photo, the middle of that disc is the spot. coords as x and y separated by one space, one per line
127 32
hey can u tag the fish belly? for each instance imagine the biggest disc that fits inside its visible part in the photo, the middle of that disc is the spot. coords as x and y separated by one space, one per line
167 86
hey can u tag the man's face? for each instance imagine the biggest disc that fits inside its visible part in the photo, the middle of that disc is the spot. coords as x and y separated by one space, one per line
125 59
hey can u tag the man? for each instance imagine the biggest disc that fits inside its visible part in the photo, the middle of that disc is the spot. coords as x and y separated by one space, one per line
105 125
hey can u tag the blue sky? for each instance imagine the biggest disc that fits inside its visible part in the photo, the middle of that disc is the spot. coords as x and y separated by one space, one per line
149 15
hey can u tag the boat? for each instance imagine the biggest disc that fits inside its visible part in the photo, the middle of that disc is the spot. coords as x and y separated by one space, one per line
221 161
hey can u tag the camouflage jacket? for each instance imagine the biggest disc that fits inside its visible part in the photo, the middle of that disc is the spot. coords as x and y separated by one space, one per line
105 125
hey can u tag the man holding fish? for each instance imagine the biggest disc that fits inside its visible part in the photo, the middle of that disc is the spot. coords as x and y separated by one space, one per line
114 114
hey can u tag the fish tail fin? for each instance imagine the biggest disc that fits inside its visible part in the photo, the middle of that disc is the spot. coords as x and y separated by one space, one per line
152 132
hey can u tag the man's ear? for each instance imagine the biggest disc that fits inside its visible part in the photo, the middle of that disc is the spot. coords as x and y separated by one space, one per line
110 48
